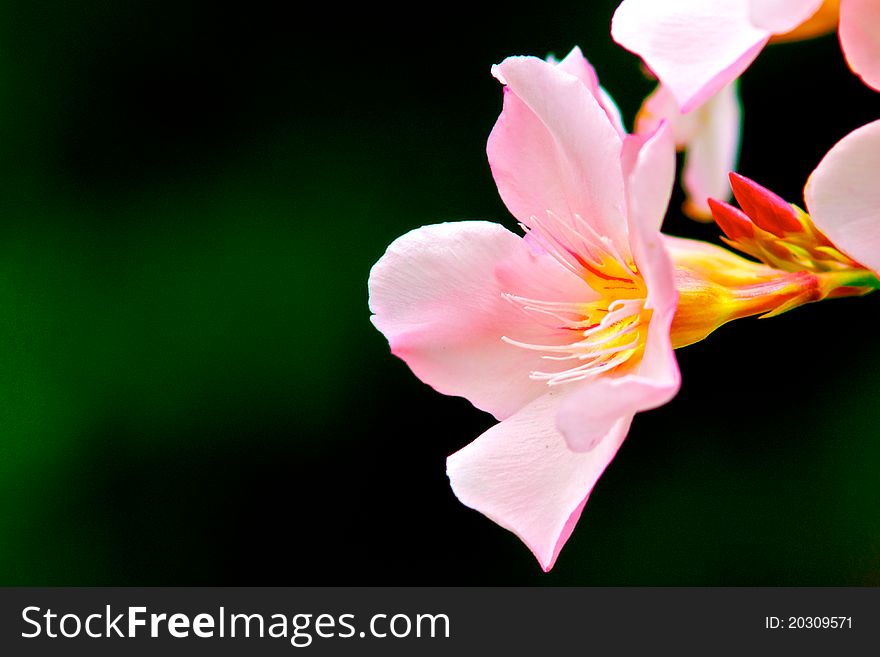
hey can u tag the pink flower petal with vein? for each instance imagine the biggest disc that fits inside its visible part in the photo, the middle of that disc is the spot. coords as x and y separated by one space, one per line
437 295
576 64
554 150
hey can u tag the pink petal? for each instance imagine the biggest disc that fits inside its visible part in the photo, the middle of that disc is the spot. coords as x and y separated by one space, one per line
521 474
649 173
554 150
860 38
695 47
590 415
713 150
437 297
709 134
576 64
649 179
660 106
781 15
843 195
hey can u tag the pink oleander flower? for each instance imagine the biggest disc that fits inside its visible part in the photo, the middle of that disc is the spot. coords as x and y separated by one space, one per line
564 334
710 137
697 47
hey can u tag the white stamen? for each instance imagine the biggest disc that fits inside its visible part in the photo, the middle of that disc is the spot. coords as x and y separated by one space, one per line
606 242
599 348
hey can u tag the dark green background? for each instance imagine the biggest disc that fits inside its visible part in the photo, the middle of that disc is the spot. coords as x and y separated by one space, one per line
191 391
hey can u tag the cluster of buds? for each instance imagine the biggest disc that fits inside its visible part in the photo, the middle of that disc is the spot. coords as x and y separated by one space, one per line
797 264
777 233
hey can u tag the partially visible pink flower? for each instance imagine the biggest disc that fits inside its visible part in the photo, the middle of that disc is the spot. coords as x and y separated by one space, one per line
563 335
710 137
843 195
697 47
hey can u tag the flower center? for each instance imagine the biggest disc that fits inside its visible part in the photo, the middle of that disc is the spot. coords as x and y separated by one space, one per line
576 245
610 330
609 333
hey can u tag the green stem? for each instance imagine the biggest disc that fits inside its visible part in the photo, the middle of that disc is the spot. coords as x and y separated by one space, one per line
857 278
